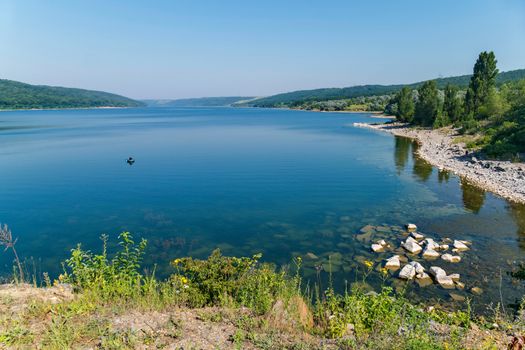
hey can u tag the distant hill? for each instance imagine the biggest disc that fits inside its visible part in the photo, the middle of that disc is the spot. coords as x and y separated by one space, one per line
298 97
199 102
16 95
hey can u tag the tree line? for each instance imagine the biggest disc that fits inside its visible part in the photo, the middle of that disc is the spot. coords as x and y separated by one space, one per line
493 115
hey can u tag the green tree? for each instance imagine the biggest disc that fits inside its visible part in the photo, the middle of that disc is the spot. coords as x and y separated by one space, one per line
452 104
482 82
427 106
405 105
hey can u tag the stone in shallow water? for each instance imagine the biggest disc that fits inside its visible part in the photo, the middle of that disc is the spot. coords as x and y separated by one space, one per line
457 297
437 271
411 227
417 236
411 245
367 228
393 263
445 282
429 253
311 256
443 247
476 290
384 229
407 272
451 258
419 268
460 285
377 248
455 277
460 246
365 237
431 244
423 279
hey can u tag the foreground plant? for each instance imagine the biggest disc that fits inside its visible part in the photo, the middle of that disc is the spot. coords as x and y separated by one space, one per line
6 239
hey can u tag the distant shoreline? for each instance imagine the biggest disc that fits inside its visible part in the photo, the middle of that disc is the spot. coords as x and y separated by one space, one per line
442 149
60 109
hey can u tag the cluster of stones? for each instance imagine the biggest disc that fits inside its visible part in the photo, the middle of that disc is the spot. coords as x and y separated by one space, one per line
416 243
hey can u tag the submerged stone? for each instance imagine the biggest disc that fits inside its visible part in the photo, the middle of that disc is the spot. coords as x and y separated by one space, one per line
476 290
423 279
457 297
311 256
367 228
460 246
451 258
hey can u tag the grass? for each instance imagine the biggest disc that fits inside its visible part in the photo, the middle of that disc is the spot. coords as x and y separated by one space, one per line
259 305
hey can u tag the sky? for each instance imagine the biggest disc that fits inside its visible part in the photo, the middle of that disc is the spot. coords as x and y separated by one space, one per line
178 49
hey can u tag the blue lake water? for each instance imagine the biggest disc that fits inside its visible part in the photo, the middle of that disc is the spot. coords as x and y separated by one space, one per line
283 183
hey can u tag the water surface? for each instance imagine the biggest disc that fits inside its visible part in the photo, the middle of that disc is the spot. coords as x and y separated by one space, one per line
284 183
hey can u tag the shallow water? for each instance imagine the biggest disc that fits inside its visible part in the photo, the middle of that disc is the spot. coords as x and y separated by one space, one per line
284 183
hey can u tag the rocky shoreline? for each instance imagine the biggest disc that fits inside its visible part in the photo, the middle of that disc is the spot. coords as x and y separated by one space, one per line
437 147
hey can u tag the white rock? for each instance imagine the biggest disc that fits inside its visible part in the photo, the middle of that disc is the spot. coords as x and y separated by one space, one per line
419 268
443 247
437 271
382 243
451 258
429 253
407 272
377 248
393 263
417 236
431 244
411 227
454 276
445 281
460 246
412 246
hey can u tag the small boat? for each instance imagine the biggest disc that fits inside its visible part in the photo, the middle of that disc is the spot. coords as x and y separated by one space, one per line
130 161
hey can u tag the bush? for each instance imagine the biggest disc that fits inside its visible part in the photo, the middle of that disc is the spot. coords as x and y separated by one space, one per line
222 280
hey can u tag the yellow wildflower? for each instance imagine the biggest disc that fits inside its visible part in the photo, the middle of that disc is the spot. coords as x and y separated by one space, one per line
384 271
176 261
368 263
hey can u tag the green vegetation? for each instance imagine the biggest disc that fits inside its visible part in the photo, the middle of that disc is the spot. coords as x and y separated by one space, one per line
16 95
261 307
491 115
199 102
297 99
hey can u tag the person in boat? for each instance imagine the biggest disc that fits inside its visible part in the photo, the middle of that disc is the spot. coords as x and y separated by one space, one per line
130 161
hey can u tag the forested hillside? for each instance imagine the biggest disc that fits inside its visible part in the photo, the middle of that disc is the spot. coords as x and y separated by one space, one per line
198 102
306 98
17 95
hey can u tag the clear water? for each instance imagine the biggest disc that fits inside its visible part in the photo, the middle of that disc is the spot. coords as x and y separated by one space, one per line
284 183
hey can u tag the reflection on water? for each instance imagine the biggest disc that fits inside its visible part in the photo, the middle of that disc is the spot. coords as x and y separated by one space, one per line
473 196
422 168
518 214
402 149
443 175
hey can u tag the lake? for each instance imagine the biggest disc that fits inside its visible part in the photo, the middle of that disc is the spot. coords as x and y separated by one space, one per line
280 182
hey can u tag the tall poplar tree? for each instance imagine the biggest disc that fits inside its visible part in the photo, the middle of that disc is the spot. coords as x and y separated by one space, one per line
482 82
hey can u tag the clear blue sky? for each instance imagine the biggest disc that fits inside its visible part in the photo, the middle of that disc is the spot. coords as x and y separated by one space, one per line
174 49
